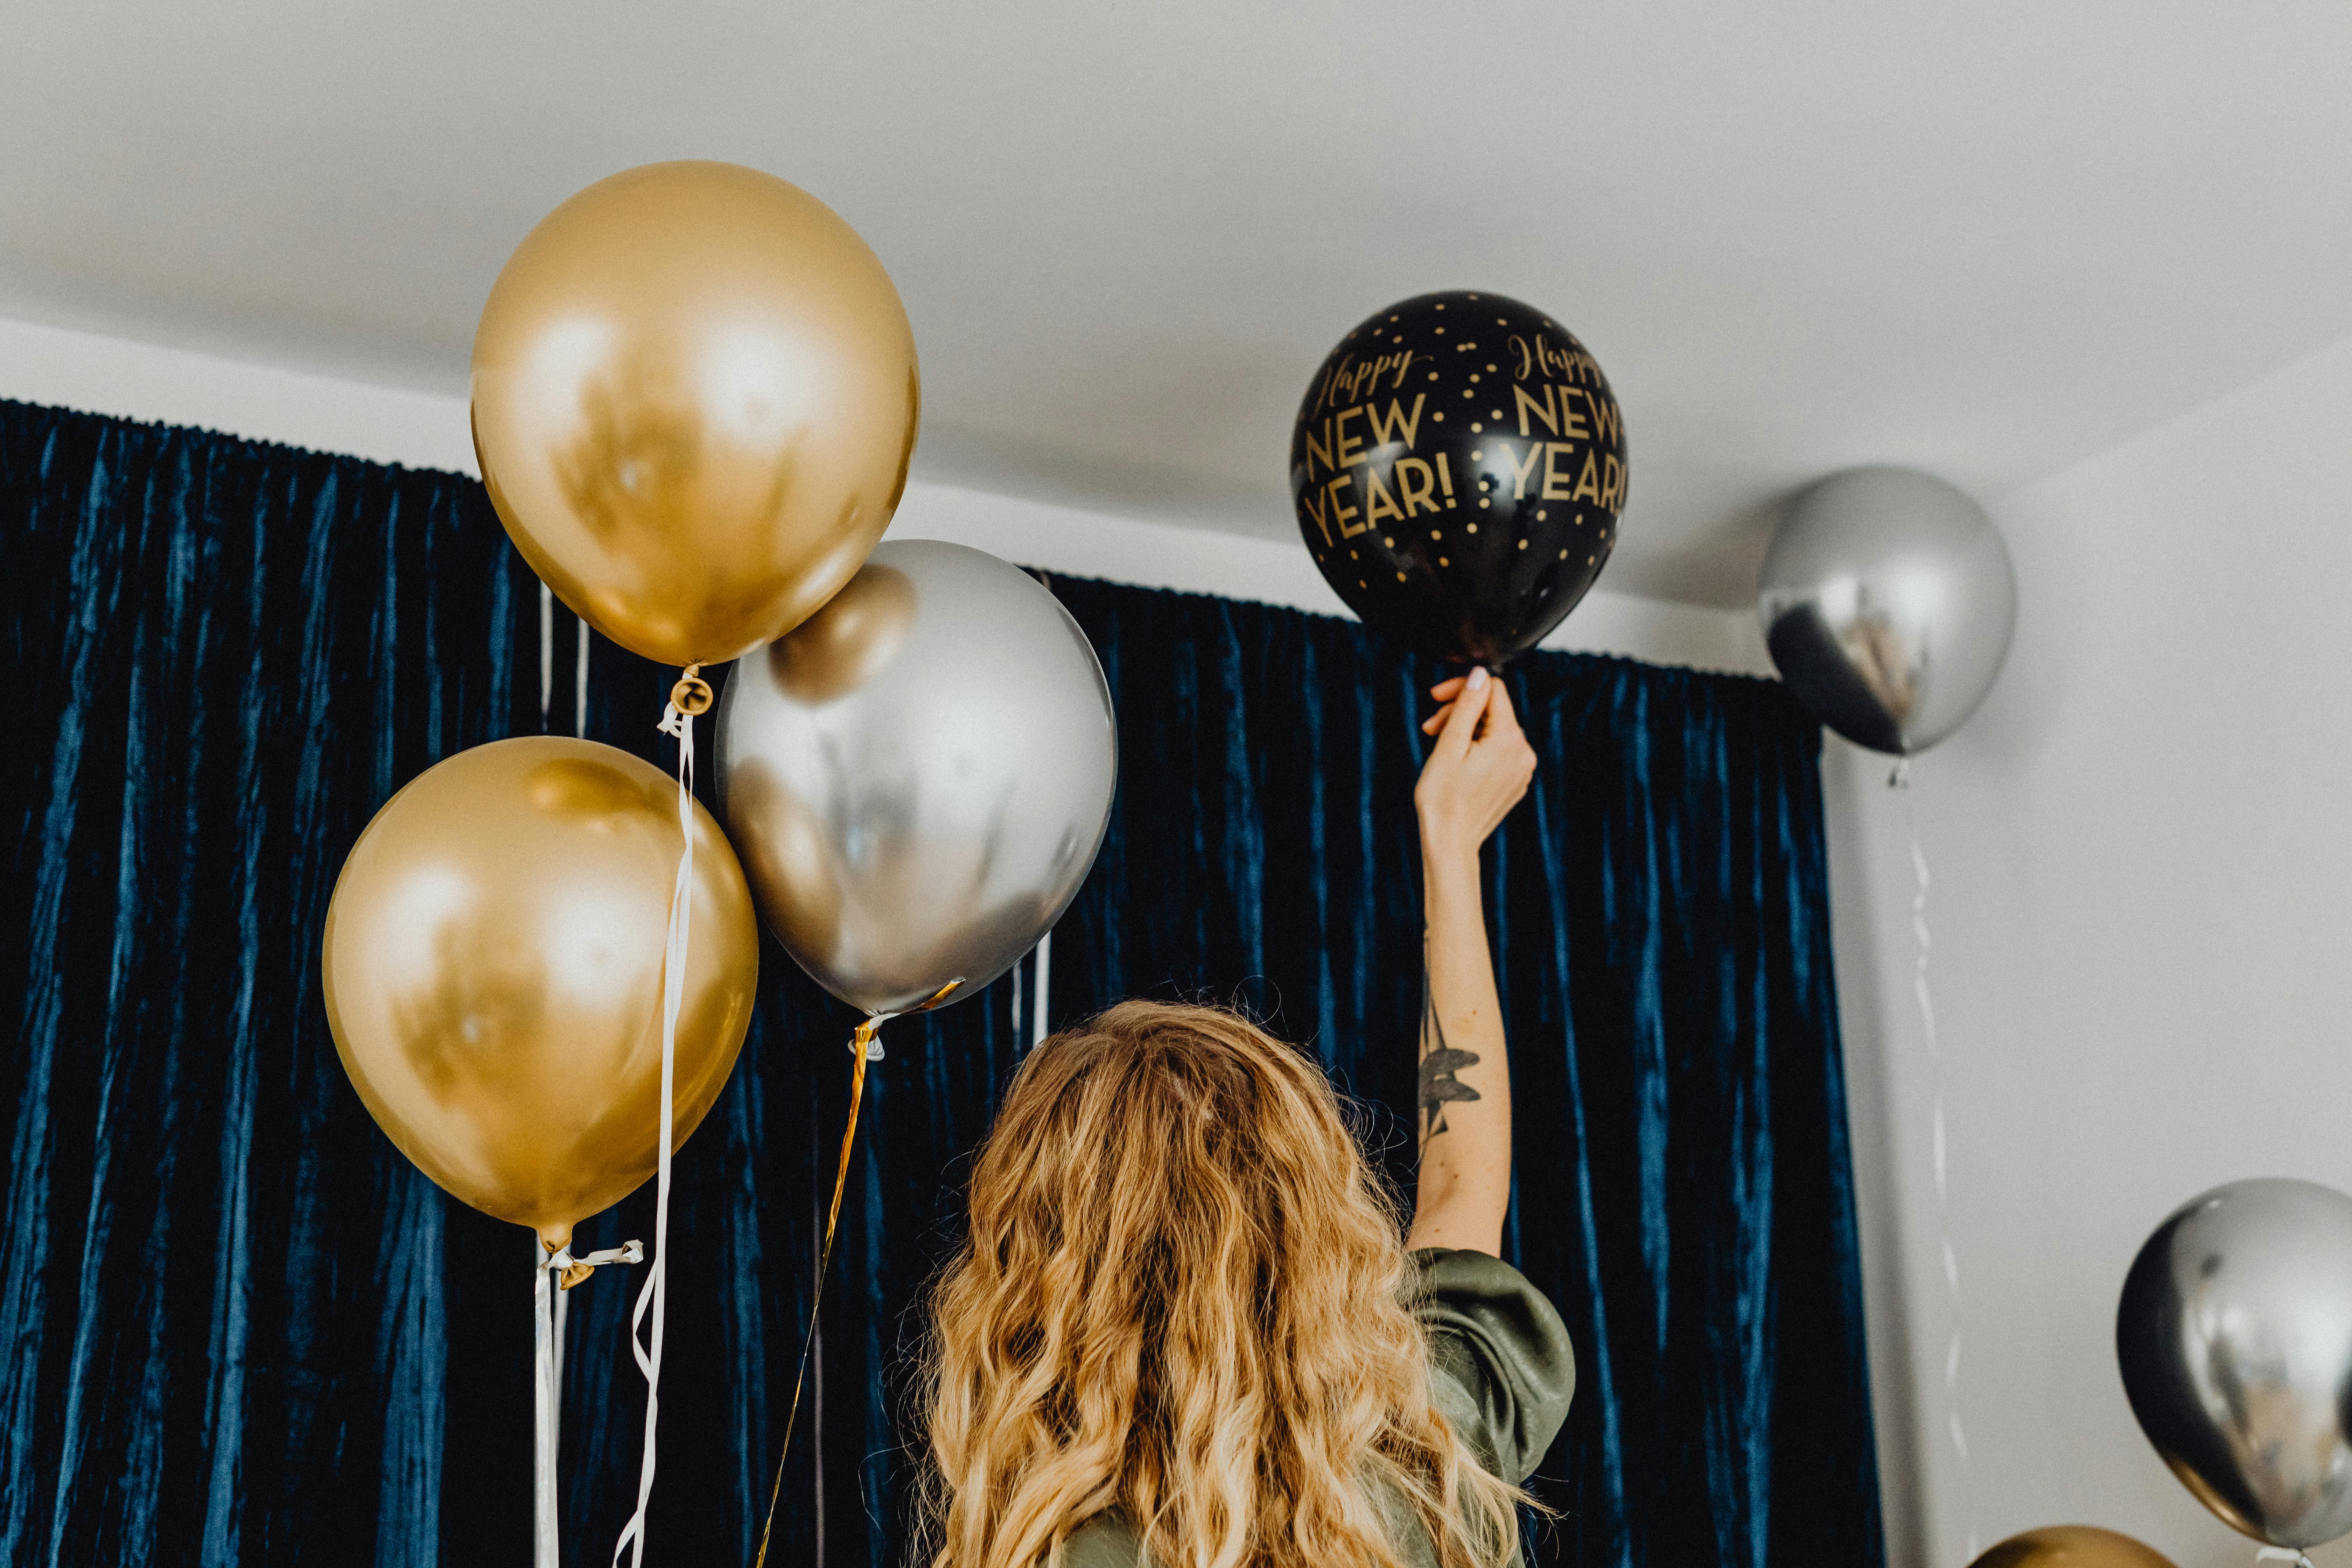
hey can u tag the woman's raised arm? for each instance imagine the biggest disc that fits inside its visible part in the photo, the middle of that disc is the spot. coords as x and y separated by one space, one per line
1477 771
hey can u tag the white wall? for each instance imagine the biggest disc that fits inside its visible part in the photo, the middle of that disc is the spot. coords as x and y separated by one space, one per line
146 381
2142 916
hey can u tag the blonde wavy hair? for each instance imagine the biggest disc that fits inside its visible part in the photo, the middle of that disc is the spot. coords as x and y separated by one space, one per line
1183 1301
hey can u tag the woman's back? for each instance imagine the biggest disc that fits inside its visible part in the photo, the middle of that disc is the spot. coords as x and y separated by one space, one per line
1183 1328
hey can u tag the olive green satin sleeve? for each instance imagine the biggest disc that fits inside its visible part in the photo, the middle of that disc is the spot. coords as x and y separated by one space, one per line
1501 1367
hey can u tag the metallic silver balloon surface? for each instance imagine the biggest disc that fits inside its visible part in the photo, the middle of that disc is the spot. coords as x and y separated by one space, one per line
2236 1340
1887 601
917 778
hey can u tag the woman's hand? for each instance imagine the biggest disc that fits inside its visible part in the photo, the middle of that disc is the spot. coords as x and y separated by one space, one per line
1477 771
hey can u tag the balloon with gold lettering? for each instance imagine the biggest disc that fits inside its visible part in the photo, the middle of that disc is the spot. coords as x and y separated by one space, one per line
1458 468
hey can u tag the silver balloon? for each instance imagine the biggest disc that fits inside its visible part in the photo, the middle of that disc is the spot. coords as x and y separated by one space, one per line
918 777
1887 602
2236 1340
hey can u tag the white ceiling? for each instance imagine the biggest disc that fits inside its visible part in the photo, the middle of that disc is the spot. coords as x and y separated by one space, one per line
1986 239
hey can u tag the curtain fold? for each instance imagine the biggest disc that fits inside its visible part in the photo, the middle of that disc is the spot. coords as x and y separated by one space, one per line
237 1327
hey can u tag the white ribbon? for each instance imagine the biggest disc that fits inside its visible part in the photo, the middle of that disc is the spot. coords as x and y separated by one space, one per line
546 1392
579 686
654 1296
2282 1554
547 1335
546 650
1900 779
547 667
1045 972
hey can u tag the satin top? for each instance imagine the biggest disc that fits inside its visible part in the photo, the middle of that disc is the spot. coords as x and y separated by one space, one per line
1502 1372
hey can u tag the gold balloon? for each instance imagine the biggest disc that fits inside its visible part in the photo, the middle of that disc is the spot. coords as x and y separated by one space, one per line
2072 1546
493 961
695 396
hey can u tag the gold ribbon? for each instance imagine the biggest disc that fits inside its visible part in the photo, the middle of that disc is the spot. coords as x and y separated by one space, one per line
861 1049
859 1054
859 1045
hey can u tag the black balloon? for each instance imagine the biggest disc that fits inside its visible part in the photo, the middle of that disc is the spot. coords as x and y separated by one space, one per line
1458 468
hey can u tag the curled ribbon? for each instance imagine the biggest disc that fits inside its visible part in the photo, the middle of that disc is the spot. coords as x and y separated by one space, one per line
691 695
864 1048
558 1268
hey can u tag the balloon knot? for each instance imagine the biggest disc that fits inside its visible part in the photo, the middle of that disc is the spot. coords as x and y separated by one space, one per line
570 1270
692 695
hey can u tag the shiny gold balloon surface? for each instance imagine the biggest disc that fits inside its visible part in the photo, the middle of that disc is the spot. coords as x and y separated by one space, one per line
2072 1546
494 975
695 396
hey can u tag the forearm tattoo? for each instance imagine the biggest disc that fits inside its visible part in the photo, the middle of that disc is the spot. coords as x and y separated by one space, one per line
1439 1062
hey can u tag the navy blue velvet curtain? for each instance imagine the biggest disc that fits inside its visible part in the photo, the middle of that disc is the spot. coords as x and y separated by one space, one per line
237 1327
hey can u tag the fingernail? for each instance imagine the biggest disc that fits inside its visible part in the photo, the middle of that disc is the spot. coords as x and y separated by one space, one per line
1477 677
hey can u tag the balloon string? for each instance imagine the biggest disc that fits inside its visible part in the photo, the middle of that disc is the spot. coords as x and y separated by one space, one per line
2282 1554
862 1049
655 1294
1038 1020
546 652
547 1334
544 1393
547 668
1939 1150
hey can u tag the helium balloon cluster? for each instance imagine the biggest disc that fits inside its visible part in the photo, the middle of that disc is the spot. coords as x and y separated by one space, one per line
1458 468
695 397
